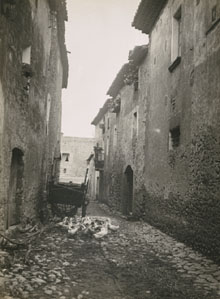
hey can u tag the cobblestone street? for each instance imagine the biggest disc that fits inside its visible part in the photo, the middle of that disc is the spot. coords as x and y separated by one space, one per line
136 261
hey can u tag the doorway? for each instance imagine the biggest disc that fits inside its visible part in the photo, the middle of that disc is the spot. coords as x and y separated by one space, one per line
15 188
128 190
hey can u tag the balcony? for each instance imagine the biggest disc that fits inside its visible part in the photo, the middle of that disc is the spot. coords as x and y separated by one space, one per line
99 158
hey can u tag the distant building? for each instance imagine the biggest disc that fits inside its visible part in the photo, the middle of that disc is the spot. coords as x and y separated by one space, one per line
74 154
34 69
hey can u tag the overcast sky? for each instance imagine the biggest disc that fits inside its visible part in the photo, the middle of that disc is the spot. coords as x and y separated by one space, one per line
99 36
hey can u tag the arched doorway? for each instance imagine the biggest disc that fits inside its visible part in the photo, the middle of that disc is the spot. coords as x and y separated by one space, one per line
15 188
128 190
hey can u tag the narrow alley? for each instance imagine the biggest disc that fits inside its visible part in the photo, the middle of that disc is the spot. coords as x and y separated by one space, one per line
136 261
109 149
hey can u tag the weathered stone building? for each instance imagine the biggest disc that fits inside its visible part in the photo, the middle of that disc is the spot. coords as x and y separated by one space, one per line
102 125
74 154
33 70
125 132
175 160
182 151
117 135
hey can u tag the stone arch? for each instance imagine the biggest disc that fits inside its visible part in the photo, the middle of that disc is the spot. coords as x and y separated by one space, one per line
15 196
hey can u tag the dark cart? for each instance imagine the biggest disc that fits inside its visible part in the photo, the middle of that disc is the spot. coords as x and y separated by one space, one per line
65 199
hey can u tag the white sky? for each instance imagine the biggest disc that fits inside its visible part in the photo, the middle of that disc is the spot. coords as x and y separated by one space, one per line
99 36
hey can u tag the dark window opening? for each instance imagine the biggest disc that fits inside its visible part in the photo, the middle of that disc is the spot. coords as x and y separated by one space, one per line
64 170
174 138
108 124
135 125
128 191
15 198
66 157
36 3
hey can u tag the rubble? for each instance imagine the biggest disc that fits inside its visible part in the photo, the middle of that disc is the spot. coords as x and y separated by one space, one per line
137 261
96 226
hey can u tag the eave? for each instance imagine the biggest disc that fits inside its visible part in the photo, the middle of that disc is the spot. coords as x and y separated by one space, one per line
147 14
101 113
118 82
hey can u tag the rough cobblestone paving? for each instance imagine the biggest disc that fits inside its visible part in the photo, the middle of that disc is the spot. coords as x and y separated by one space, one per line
137 261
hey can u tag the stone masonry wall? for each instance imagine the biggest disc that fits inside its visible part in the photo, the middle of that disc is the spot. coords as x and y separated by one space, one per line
181 190
122 148
139 178
28 24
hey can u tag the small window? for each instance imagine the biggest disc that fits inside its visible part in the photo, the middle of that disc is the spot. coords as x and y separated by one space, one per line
66 157
26 55
64 170
135 125
174 138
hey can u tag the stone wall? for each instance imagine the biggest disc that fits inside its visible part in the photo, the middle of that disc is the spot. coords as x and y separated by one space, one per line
175 152
181 190
122 143
28 27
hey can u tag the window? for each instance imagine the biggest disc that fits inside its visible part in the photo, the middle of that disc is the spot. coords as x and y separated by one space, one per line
174 138
26 71
26 55
65 157
115 136
64 170
135 125
176 36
